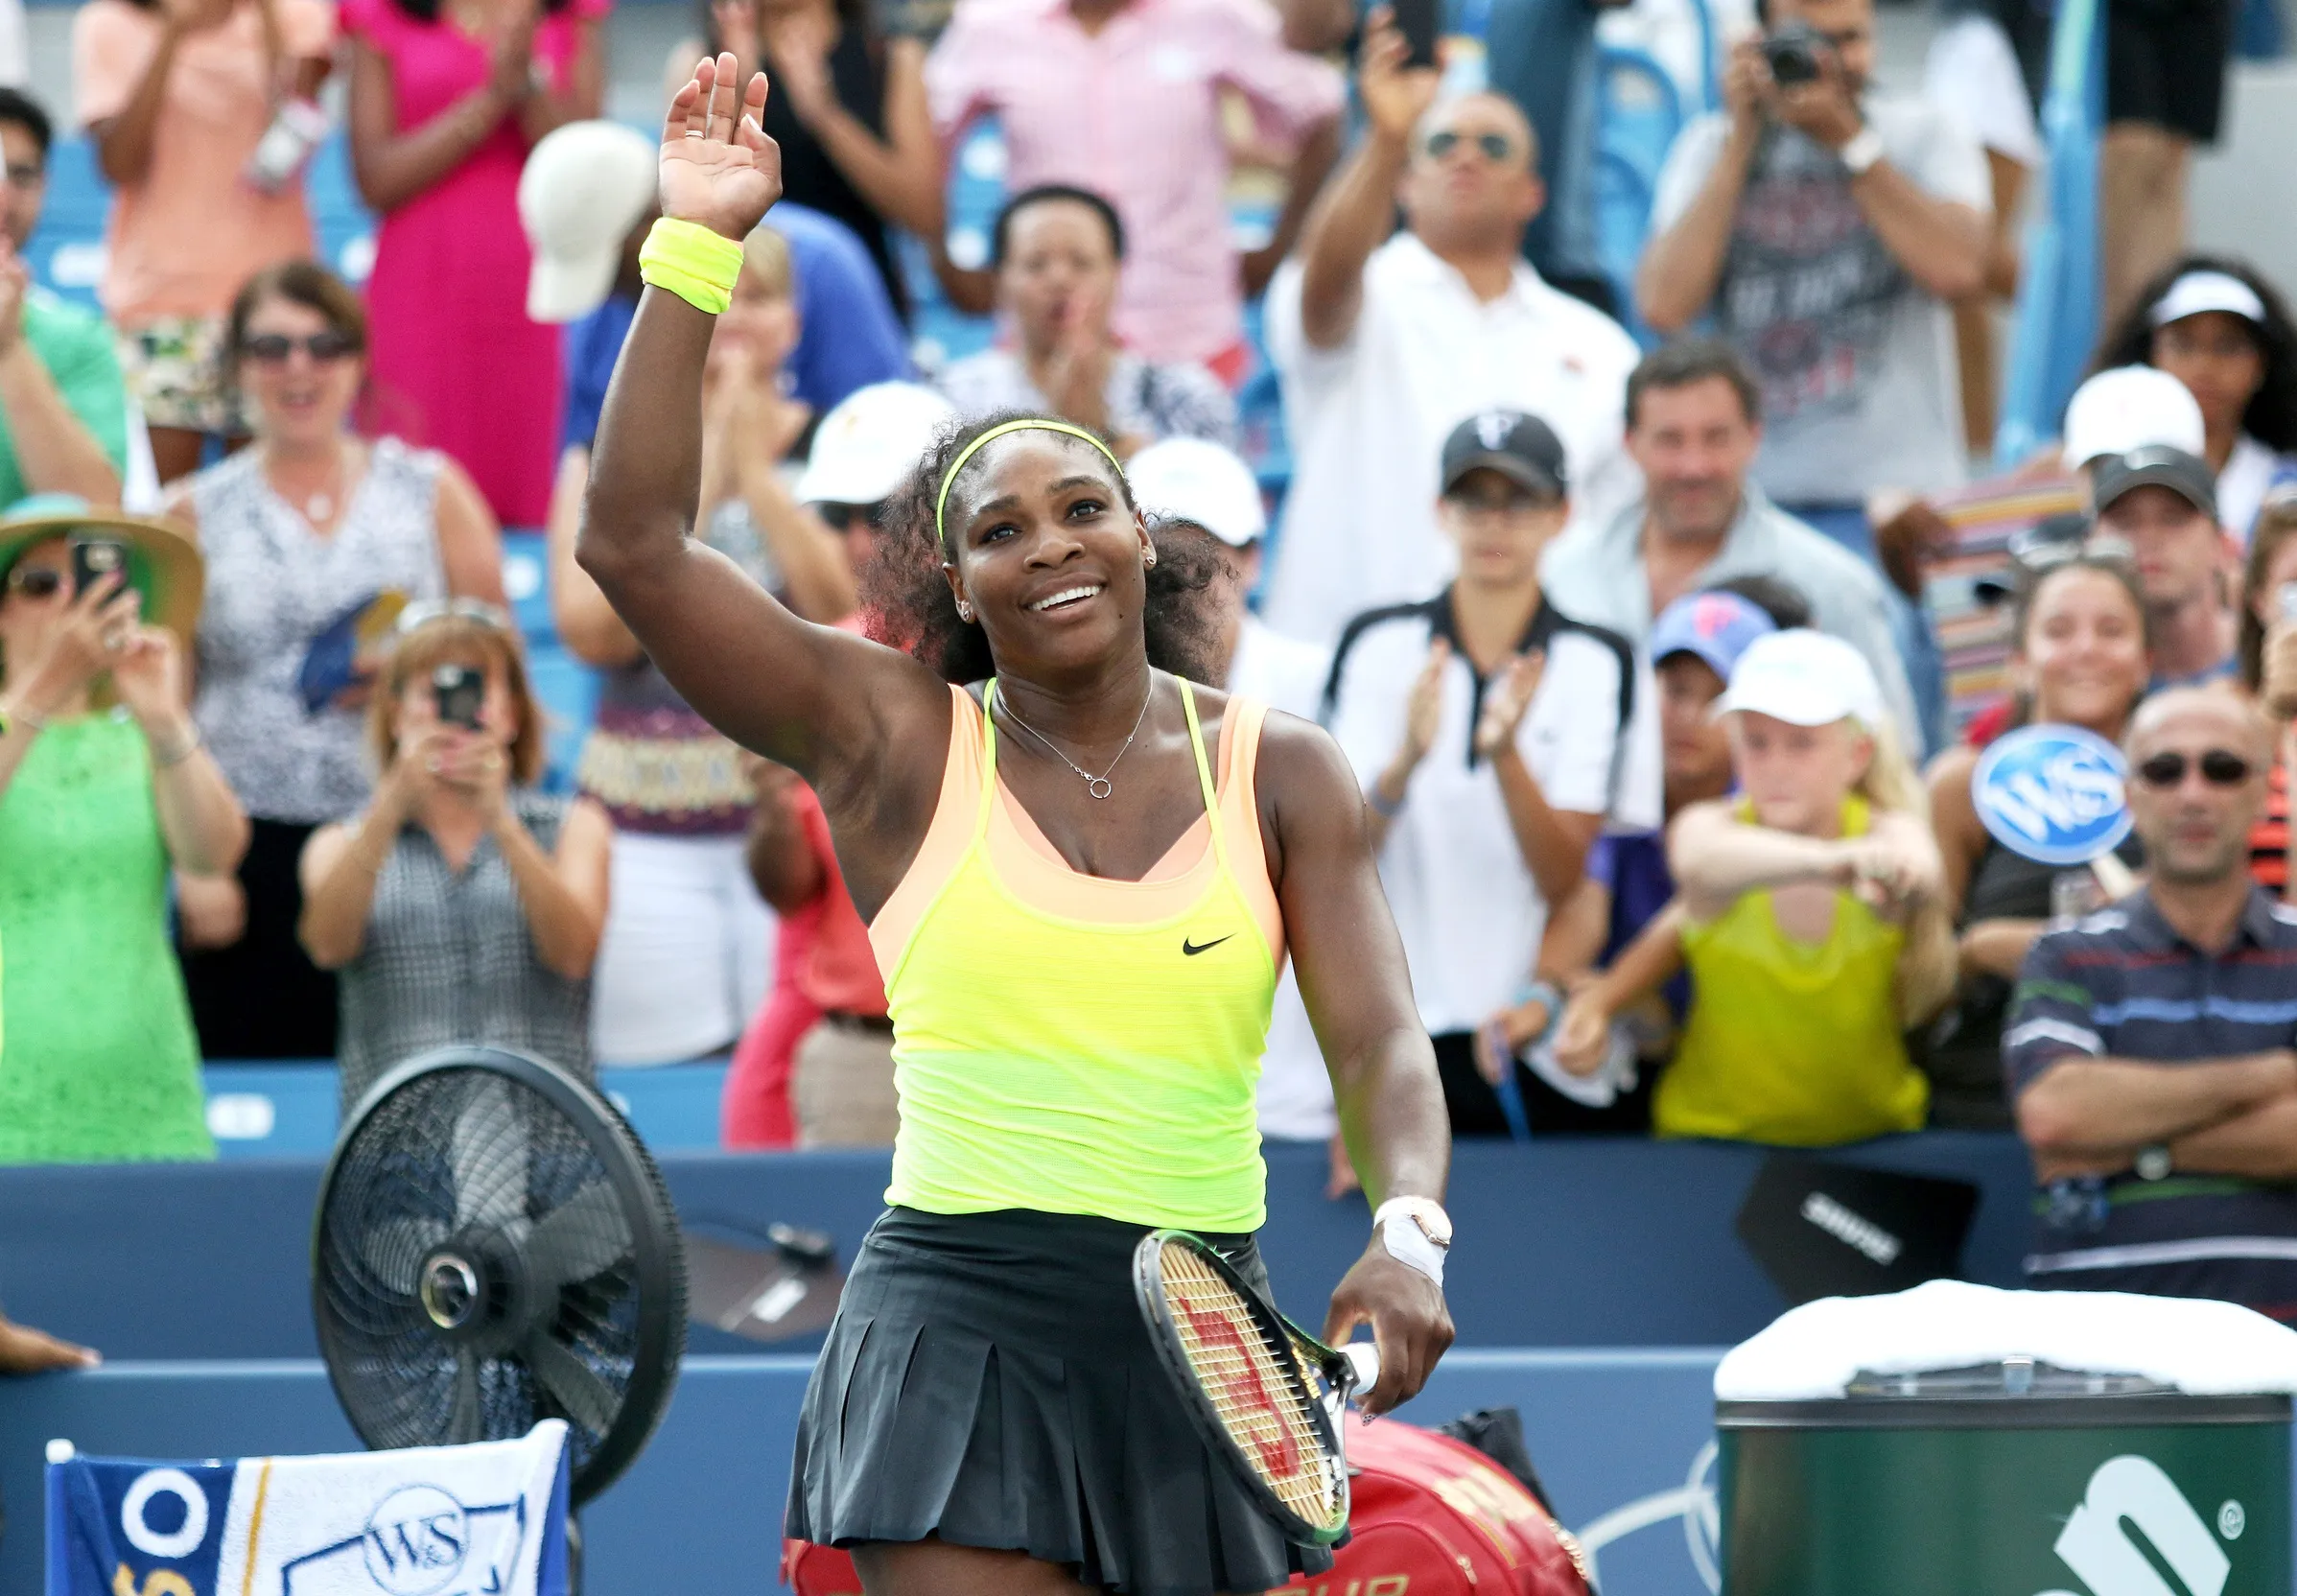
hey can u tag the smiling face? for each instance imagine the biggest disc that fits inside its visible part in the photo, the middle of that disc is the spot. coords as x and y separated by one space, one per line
1796 777
297 394
2082 654
1043 546
1694 443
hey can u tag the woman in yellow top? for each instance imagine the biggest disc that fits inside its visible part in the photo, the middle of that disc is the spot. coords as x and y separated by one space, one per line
1080 874
1811 913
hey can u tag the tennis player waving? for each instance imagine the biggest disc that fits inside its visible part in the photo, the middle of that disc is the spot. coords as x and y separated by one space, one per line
1080 874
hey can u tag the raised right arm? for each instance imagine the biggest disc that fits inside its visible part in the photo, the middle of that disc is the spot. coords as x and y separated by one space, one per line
825 702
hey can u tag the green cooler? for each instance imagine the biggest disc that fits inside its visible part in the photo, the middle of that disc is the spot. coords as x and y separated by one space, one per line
1857 1471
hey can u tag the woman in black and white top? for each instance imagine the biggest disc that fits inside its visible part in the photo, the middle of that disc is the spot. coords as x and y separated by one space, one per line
462 907
300 531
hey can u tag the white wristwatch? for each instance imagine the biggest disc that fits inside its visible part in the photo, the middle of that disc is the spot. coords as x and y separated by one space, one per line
1416 1231
1864 149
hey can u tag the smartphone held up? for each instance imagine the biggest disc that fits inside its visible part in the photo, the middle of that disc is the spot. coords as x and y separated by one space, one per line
458 691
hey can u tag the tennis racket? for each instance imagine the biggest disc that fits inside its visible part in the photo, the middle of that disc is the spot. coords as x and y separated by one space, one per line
1266 1396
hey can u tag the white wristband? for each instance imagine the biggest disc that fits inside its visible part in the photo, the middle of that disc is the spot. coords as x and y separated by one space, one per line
1406 1242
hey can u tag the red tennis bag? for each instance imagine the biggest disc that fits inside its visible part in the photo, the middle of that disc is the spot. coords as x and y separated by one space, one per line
1428 1516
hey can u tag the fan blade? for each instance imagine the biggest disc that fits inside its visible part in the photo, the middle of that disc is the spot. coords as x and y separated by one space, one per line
580 1393
488 1152
393 1250
464 1422
585 1237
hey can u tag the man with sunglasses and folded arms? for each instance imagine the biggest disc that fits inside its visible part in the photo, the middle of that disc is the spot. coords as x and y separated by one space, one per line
2149 1048
1385 344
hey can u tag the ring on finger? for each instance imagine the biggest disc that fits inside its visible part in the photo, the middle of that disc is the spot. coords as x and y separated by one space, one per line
115 640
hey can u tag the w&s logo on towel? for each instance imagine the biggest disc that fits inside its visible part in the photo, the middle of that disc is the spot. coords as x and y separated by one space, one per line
419 1541
481 1521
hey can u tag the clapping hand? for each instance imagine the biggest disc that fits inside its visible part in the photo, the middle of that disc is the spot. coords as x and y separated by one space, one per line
799 47
195 16
718 169
1505 704
510 61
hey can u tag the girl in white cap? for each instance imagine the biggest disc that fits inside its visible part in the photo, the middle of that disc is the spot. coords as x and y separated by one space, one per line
1811 914
2223 331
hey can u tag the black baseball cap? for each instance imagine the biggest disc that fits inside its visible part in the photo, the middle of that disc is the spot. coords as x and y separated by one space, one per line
2157 466
1520 447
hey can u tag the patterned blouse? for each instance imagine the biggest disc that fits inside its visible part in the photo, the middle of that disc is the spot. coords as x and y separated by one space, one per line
272 586
449 960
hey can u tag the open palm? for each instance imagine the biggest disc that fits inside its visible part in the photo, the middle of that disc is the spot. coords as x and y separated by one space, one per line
719 168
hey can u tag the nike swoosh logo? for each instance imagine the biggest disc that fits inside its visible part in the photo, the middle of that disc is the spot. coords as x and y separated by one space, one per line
1191 948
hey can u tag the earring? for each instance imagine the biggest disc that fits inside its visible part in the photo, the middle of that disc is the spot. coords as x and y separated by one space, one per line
964 612
1148 560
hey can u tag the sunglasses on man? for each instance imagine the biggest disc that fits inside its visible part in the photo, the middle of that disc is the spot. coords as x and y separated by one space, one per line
274 349
2219 767
1497 147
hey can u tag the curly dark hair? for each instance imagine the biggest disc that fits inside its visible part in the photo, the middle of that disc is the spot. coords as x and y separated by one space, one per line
906 603
2271 418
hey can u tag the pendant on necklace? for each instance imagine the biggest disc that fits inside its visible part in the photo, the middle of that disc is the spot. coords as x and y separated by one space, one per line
318 508
1100 786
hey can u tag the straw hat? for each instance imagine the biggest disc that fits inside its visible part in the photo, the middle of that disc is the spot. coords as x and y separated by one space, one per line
163 563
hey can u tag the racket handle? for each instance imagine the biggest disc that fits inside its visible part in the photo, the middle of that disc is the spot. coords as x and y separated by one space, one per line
1364 1357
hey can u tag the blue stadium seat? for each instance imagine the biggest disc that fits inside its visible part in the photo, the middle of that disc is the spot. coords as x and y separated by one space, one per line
1639 114
526 584
568 693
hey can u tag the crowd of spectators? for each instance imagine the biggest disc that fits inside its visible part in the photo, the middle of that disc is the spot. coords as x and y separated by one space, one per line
1626 635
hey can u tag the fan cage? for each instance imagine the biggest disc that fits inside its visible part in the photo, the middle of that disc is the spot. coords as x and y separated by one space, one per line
509 1163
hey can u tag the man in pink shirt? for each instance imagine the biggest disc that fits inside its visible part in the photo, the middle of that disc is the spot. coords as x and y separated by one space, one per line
1124 97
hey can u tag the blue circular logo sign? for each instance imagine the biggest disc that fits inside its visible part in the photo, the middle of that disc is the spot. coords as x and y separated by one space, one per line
2052 793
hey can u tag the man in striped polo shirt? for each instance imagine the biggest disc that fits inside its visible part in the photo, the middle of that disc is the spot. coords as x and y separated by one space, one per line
2149 1047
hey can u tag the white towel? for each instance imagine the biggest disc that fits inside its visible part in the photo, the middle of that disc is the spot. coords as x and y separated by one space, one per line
481 1521
2200 1348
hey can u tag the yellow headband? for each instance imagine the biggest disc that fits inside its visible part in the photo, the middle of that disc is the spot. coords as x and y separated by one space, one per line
941 501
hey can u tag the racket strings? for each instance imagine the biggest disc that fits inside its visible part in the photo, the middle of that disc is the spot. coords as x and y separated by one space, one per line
1260 1406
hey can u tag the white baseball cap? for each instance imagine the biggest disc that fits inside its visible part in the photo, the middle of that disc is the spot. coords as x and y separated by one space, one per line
1804 678
585 187
870 441
1192 478
2127 408
2198 291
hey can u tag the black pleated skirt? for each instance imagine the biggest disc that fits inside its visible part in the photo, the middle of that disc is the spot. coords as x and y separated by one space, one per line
989 1382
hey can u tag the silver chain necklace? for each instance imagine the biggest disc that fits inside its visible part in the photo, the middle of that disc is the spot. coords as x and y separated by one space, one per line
1097 785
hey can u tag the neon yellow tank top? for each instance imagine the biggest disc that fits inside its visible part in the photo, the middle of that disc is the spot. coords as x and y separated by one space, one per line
1794 1044
1074 1045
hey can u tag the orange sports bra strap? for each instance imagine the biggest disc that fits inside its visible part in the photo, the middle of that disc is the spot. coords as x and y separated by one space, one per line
1203 774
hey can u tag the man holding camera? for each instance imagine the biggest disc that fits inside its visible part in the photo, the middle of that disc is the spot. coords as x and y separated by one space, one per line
1827 226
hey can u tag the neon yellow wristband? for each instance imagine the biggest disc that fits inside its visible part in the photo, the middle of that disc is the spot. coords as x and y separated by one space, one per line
691 262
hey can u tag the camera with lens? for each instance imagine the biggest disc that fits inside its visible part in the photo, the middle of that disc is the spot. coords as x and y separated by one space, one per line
1795 51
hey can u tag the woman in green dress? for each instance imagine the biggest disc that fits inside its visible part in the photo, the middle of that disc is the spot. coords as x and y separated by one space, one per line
103 786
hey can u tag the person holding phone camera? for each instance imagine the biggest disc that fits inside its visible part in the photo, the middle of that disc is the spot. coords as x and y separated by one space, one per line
462 907
103 784
1827 227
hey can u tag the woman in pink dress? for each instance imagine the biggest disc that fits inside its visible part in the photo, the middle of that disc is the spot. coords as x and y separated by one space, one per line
447 97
